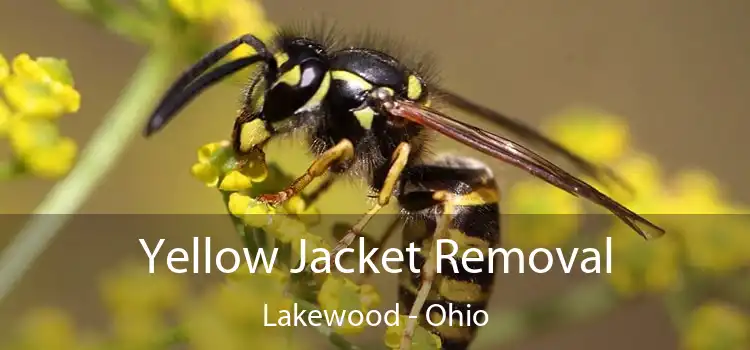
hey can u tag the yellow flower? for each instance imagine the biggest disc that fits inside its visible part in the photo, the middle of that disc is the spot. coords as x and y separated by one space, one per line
137 329
231 316
714 239
53 161
541 215
48 329
252 212
206 173
288 230
207 152
697 192
41 148
244 17
422 339
715 325
199 10
276 276
41 88
597 136
4 69
6 116
297 206
643 266
312 241
132 289
642 172
235 181
341 294
215 160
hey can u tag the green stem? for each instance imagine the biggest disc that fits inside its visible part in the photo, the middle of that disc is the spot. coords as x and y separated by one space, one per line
120 125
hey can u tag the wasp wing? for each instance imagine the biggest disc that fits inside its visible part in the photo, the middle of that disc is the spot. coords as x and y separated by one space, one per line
517 155
529 134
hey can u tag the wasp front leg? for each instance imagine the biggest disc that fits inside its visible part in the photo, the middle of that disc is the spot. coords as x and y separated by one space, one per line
341 152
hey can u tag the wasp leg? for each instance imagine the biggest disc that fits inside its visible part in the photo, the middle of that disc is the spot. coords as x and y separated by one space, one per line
429 269
314 195
342 151
398 163
379 246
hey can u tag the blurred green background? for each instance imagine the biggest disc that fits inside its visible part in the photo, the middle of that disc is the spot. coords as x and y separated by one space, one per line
675 70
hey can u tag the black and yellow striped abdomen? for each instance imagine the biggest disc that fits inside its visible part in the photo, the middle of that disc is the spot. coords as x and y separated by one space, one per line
474 224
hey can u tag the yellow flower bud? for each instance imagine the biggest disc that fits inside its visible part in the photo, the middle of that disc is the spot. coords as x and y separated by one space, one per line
48 329
599 137
202 11
339 293
422 339
42 87
553 218
207 151
295 205
716 325
235 181
4 69
310 217
258 215
40 99
206 173
53 161
26 135
24 66
5 118
369 296
312 242
238 204
247 17
287 230
643 266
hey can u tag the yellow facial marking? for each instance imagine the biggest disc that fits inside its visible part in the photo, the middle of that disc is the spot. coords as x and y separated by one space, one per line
252 134
320 94
281 58
365 117
414 88
351 78
291 77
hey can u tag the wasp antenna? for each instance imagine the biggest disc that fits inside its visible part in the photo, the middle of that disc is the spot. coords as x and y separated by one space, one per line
169 107
191 83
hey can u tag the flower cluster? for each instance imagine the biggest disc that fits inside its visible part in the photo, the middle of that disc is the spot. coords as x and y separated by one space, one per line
717 325
288 226
37 92
710 243
233 17
705 238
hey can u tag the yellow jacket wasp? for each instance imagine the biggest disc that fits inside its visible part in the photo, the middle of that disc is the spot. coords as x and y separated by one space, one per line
367 114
